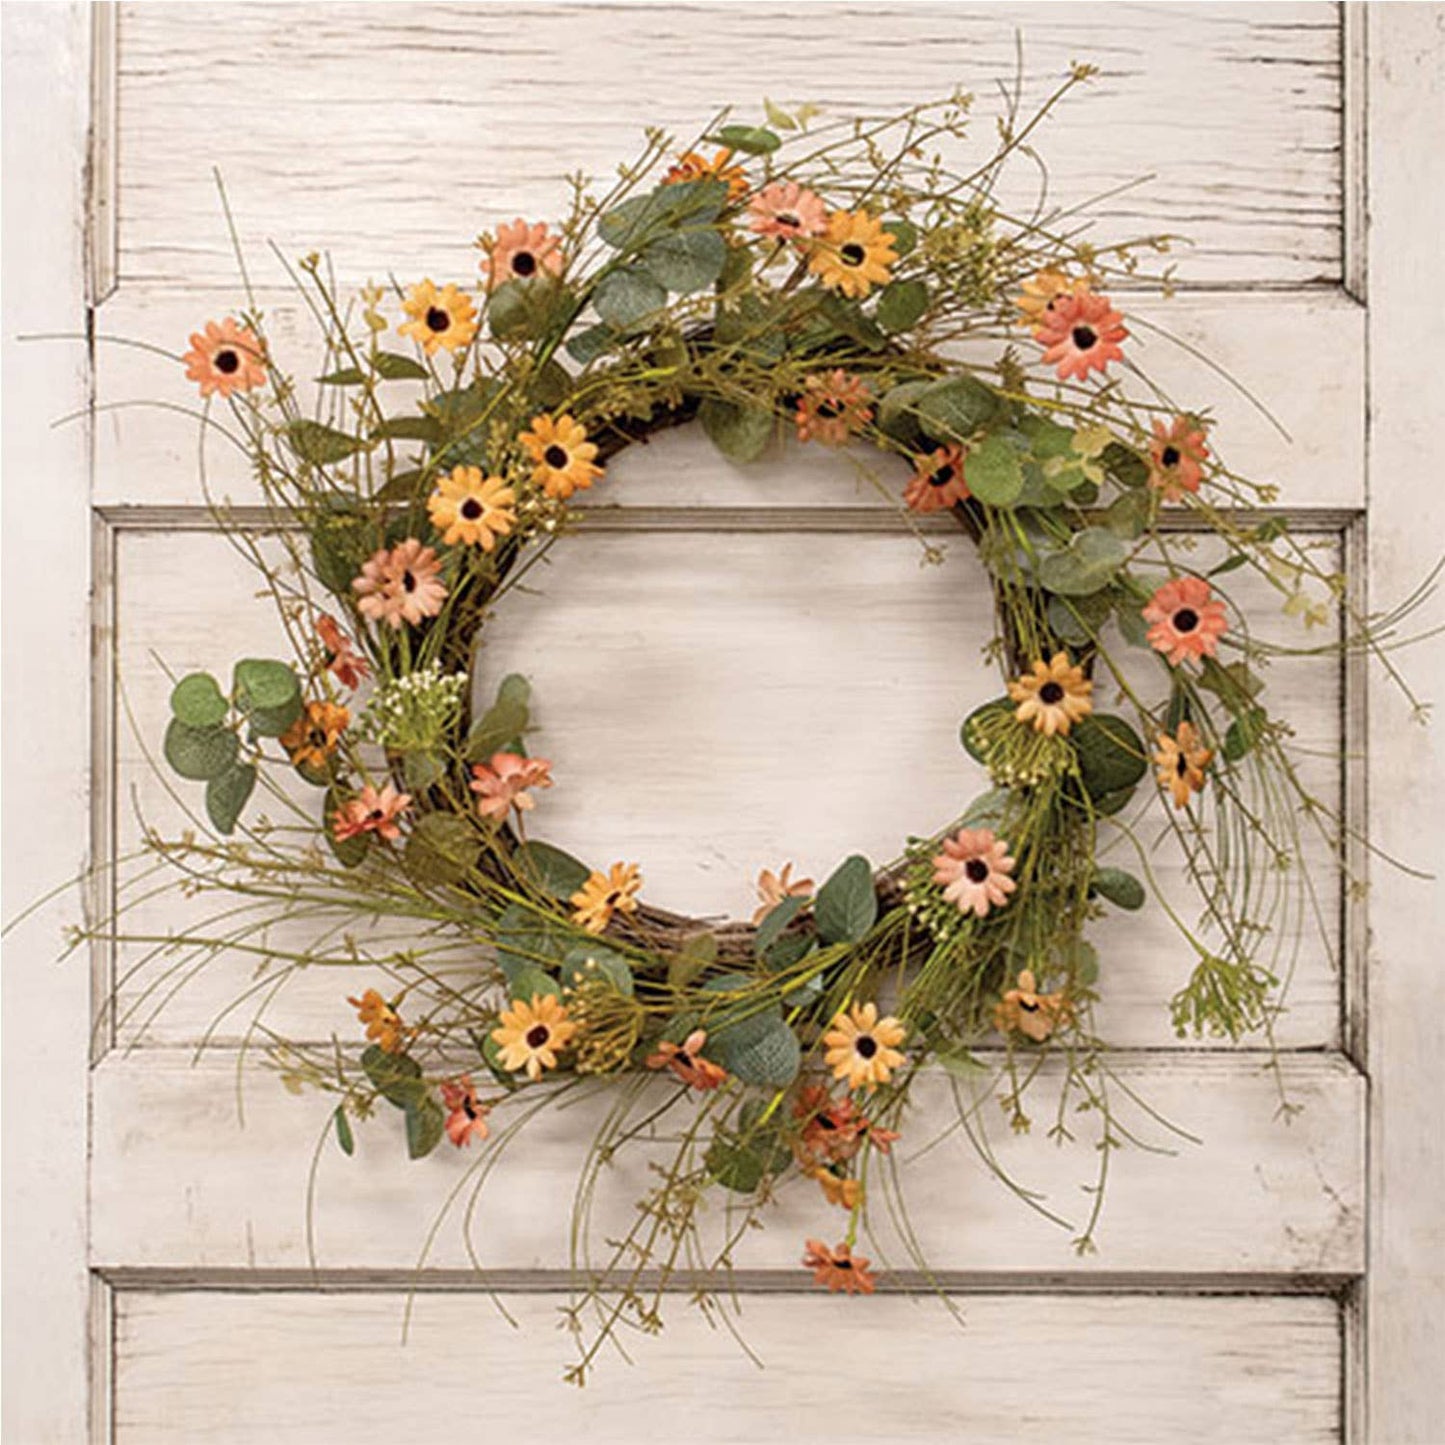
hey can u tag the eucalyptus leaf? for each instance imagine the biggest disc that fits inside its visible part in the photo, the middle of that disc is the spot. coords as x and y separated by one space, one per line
319 444
263 683
740 433
199 754
994 472
901 304
847 904
627 296
1121 888
527 939
1111 754
1086 565
425 1124
956 408
752 140
904 233
396 1077
898 415
197 700
641 219
552 869
586 958
228 793
698 953
442 849
777 919
595 341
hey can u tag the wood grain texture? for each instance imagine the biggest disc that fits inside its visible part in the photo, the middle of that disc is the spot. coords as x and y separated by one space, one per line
178 1179
1129 1371
391 134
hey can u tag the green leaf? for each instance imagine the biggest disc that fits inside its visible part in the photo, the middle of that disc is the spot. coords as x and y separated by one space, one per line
1132 627
318 444
642 219
528 982
752 140
686 261
898 416
626 296
261 683
347 376
1079 620
503 724
526 939
340 543
986 810
197 700
227 794
751 1041
777 919
1230 563
392 366
1126 467
344 1136
523 309
422 770
491 1052
552 869
994 473
1243 733
1107 804
954 409
274 722
595 341
551 386
968 734
1233 684
742 1165
740 433
778 116
699 952
199 754
425 1124
901 304
1111 754
410 428
1121 888
396 1077
904 233
1127 515
442 849
847 905
585 958
1086 565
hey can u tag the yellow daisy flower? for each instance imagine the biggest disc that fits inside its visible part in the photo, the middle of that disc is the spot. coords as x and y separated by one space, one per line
604 894
444 319
471 509
856 254
531 1034
562 455
861 1047
1053 697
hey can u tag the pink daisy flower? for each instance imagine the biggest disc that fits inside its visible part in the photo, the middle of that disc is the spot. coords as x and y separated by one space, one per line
1176 457
466 1116
347 665
973 870
787 210
401 585
833 406
371 812
1081 333
1185 620
522 252
502 784
938 483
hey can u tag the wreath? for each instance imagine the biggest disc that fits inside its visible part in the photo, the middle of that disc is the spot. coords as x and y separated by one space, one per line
851 282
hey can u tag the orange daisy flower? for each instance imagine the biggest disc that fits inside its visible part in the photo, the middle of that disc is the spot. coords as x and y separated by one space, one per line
439 319
383 1024
471 509
1024 1010
604 894
788 211
1039 293
226 357
833 405
1080 333
562 456
861 1047
938 482
1185 620
1053 697
693 167
531 1035
466 1115
344 663
835 1129
1176 457
773 888
837 1268
314 736
503 784
685 1060
974 870
400 585
1181 761
838 1188
855 255
371 812
522 252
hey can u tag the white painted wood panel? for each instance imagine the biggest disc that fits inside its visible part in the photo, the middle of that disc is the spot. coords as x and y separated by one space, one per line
179 1182
1127 1371
392 134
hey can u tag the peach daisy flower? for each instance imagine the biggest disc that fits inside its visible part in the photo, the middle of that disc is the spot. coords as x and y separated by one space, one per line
1053 696
371 812
466 1115
773 888
1038 294
685 1060
503 784
838 1188
226 357
788 211
861 1047
471 509
938 482
1024 1010
855 255
837 1268
562 456
1176 457
522 252
835 1129
604 894
400 585
344 663
832 406
693 167
439 319
1080 333
313 737
1181 761
531 1035
973 870
1185 620
383 1024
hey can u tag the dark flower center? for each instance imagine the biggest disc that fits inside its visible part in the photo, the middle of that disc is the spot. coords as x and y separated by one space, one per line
538 1035
1051 693
556 457
437 319
842 1262
1181 765
824 1122
469 1107
1085 337
829 409
853 254
1029 1005
408 582
227 362
613 898
866 1045
524 263
471 509
1186 620
976 870
1170 456
376 815
789 220
942 477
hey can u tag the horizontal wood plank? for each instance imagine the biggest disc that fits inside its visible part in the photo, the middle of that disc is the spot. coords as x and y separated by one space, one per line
393 134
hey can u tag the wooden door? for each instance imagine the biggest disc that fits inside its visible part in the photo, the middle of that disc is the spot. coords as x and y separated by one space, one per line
1279 1281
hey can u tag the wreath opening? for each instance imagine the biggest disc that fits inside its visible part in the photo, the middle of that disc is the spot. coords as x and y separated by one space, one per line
846 283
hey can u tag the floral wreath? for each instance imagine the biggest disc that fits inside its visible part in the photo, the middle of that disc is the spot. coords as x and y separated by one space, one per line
799 275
